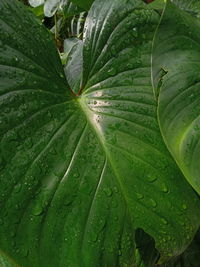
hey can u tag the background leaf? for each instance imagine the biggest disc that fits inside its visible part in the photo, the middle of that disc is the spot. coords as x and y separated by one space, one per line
176 60
191 6
86 4
36 3
74 66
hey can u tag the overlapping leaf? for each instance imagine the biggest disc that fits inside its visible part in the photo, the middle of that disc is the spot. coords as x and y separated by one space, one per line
191 6
176 65
74 66
80 174
51 6
86 4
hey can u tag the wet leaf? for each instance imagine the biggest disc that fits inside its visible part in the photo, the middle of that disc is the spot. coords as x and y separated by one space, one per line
177 52
79 175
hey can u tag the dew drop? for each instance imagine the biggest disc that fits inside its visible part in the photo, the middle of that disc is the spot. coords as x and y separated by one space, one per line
17 188
112 72
108 192
153 203
38 210
151 178
94 237
139 196
164 221
184 206
164 188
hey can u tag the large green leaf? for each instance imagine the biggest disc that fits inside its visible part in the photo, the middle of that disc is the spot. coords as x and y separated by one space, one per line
176 65
80 174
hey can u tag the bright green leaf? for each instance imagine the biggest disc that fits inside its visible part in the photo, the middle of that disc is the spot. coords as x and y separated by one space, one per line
80 174
176 66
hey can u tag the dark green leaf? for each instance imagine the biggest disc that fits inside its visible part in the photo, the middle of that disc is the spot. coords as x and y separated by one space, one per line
80 174
190 258
176 58
86 4
71 9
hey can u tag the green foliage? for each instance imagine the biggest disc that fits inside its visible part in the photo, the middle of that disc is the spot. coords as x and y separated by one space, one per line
92 159
179 104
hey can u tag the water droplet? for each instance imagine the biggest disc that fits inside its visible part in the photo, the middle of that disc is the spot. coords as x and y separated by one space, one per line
184 206
17 188
139 196
76 174
94 237
115 189
112 72
108 192
164 188
163 220
153 203
28 143
119 252
38 210
151 178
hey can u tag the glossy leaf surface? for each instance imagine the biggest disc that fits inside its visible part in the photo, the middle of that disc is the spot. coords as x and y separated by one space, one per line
80 174
176 65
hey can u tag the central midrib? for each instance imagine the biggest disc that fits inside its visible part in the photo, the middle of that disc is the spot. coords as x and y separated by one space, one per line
87 112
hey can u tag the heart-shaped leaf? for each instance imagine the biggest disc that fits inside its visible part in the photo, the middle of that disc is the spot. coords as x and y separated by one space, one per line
80 174
176 74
